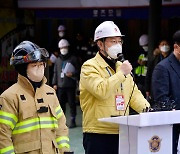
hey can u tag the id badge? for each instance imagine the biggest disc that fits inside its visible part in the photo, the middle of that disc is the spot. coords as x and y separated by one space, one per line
62 75
120 102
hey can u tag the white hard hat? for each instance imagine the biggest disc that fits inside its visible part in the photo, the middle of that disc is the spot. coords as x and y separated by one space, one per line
63 43
106 29
143 40
61 28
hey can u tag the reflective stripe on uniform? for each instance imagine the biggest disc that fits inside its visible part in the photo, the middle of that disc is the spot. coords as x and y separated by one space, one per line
7 150
141 57
63 141
8 119
58 112
36 123
141 70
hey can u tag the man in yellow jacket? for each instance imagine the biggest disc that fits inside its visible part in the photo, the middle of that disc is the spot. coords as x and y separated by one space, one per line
106 89
31 119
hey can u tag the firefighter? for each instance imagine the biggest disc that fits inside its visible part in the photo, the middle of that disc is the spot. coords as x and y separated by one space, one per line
31 119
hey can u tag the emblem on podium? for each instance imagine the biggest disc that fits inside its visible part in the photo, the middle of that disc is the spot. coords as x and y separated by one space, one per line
155 143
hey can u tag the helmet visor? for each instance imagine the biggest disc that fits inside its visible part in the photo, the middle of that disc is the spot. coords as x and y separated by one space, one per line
38 55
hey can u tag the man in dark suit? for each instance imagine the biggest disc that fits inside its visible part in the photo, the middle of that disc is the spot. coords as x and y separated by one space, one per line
166 83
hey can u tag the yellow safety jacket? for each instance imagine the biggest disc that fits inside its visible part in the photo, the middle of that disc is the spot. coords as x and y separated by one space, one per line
32 121
99 85
141 70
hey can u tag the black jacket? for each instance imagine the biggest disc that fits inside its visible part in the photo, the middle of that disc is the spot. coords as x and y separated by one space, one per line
64 81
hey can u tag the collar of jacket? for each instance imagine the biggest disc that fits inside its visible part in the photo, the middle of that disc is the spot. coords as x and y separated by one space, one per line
24 82
103 63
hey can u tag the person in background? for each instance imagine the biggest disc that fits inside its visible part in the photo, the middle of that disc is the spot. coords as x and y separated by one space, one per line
141 68
61 35
166 83
52 61
31 119
61 31
66 73
106 89
54 50
91 49
81 47
160 53
54 56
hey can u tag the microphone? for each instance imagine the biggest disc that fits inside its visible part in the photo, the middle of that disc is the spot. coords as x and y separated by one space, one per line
120 57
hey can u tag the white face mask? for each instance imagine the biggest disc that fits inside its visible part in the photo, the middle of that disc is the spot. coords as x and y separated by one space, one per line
165 48
114 50
64 51
145 48
35 72
61 34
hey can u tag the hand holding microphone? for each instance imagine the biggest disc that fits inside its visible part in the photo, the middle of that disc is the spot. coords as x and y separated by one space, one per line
126 67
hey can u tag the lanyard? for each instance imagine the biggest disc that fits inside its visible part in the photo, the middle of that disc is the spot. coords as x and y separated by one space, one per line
63 64
111 75
108 71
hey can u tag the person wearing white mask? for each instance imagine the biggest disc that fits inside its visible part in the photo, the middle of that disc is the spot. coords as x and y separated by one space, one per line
31 119
164 48
141 64
61 31
159 54
105 90
65 76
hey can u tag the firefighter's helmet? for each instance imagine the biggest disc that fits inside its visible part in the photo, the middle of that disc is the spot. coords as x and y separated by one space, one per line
27 52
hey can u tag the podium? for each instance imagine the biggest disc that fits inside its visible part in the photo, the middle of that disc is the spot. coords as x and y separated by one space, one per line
146 133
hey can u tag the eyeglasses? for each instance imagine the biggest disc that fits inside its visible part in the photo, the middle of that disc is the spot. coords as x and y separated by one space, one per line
115 42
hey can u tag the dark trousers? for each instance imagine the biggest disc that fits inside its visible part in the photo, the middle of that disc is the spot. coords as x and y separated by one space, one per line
176 132
100 143
67 95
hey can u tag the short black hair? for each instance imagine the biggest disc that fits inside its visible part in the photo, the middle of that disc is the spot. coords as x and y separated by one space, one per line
176 37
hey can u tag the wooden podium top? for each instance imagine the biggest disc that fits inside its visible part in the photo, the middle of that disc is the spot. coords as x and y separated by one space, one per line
146 119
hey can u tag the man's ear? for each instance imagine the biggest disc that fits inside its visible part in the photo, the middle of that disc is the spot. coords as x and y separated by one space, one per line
175 46
100 45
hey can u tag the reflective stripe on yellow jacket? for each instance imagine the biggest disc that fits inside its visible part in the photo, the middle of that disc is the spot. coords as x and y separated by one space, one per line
24 128
7 150
141 69
99 85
